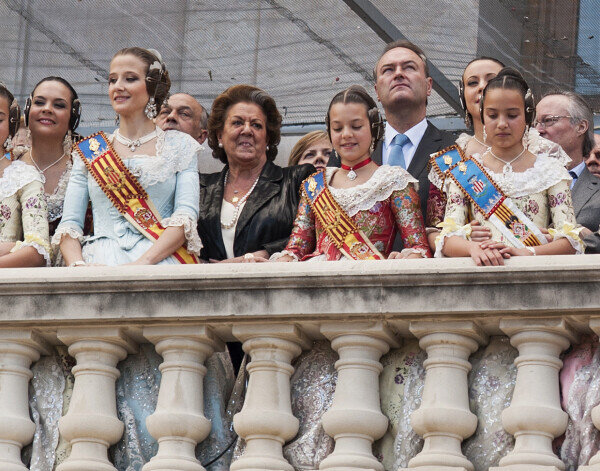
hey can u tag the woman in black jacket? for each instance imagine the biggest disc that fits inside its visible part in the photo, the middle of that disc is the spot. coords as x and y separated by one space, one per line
247 210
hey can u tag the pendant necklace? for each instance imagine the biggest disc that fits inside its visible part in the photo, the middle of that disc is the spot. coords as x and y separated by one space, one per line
133 144
507 169
238 202
42 171
351 170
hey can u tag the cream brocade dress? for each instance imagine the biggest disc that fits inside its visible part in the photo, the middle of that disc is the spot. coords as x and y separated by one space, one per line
23 210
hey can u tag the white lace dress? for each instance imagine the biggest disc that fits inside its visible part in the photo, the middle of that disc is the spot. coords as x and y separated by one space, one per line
171 181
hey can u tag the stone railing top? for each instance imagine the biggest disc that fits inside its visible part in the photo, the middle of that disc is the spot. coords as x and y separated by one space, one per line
225 293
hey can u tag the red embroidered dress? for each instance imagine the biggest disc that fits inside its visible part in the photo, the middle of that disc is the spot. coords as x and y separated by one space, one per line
380 207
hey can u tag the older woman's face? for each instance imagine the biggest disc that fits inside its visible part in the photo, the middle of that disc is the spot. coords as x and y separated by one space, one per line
244 134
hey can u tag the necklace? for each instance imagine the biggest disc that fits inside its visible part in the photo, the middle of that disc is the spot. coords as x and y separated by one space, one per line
239 202
133 144
507 170
482 143
352 174
42 171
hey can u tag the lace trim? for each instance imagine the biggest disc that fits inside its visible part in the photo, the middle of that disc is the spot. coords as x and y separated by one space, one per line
571 233
56 199
174 153
39 244
194 244
407 252
463 140
71 231
435 178
546 172
384 181
449 229
16 176
277 255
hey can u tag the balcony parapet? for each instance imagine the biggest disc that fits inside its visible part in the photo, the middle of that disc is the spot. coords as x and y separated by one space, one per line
363 308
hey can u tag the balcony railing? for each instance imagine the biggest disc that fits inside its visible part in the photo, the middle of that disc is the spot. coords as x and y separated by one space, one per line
363 308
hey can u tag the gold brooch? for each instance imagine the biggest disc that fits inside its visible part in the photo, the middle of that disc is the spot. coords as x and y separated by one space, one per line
447 160
312 186
462 167
94 145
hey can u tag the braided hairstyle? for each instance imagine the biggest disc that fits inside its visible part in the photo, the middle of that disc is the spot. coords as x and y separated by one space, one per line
510 79
14 111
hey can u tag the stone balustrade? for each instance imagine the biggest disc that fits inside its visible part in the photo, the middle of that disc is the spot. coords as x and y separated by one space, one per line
365 308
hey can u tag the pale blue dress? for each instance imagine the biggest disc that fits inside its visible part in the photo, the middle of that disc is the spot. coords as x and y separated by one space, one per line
171 180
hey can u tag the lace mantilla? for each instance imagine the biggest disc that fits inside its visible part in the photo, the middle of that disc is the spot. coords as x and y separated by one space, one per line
194 244
384 181
537 145
16 176
56 199
174 152
546 172
463 140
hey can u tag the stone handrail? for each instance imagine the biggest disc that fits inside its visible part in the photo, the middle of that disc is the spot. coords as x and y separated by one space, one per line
542 303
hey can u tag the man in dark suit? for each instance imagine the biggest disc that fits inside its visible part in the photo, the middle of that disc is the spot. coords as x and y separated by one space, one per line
402 84
565 118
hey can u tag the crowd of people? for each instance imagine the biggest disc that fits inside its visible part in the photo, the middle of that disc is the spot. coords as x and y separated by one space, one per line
522 182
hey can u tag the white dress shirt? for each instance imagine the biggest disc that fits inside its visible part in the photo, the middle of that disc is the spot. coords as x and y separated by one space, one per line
414 134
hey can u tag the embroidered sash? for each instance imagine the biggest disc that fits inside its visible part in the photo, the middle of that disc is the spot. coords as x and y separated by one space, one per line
340 227
446 158
124 191
490 201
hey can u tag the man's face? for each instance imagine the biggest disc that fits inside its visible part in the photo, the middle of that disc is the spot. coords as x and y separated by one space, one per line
401 79
552 111
182 113
593 161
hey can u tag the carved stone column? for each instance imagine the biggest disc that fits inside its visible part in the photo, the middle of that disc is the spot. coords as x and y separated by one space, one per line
534 416
355 419
18 348
444 418
178 423
266 421
91 424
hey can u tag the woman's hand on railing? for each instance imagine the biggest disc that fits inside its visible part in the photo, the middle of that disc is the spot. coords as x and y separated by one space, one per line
479 233
259 256
488 253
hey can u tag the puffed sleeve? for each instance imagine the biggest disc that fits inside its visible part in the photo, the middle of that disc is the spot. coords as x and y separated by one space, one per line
75 205
562 216
34 215
456 218
187 201
303 237
409 221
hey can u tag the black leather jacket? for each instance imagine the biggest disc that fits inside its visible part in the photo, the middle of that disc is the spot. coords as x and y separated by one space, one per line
267 219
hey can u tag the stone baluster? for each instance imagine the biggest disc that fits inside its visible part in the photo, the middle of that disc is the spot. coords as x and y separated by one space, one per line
266 421
91 424
534 416
444 418
18 348
178 423
355 419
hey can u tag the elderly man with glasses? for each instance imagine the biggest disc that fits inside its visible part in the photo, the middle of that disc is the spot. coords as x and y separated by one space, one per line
565 118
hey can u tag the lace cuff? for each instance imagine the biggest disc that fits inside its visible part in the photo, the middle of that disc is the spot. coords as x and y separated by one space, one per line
449 229
38 243
571 233
70 230
194 244
417 250
277 255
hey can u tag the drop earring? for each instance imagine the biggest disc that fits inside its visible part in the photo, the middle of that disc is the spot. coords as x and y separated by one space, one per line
8 145
150 109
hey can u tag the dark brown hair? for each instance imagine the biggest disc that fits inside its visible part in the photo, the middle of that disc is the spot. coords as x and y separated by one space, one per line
405 44
158 82
357 94
243 94
510 79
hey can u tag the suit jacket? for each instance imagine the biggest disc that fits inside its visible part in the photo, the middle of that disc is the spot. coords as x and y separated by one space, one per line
267 219
586 202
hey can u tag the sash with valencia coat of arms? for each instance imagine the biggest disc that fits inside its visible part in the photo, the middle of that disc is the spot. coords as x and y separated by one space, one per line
124 191
340 227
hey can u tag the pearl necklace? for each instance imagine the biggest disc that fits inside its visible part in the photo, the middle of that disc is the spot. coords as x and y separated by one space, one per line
482 143
133 144
42 171
237 206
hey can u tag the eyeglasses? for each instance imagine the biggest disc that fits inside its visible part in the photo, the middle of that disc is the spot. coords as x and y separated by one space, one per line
549 121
